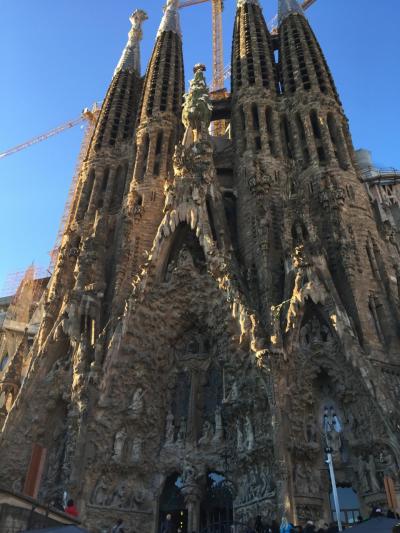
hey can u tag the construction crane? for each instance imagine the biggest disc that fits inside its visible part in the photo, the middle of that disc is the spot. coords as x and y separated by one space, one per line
217 39
86 115
220 73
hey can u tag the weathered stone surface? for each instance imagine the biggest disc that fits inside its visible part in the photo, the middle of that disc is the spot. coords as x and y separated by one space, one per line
219 319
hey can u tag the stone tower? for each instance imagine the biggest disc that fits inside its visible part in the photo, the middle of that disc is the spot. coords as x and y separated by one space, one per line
227 315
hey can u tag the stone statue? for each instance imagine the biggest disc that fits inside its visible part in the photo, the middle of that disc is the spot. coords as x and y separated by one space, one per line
362 476
137 404
239 432
189 474
219 429
207 433
196 114
100 493
371 469
182 432
119 444
248 428
311 432
233 395
170 430
136 450
302 479
120 497
389 464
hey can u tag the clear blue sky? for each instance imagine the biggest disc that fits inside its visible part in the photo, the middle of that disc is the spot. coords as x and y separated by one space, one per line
58 57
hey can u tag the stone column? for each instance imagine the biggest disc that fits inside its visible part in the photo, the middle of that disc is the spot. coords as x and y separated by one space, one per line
193 495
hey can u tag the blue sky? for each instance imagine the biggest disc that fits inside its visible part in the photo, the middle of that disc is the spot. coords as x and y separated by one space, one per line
58 57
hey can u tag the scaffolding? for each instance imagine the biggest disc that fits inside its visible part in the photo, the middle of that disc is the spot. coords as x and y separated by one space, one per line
91 120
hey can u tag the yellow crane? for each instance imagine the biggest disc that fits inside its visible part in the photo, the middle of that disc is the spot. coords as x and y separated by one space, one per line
219 72
86 115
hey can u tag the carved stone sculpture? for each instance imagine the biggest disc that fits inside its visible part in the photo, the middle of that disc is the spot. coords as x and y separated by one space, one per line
119 444
137 404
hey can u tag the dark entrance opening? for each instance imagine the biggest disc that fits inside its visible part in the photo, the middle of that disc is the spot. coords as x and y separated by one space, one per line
172 503
216 512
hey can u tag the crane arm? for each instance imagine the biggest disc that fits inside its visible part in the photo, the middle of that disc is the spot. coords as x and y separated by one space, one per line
44 136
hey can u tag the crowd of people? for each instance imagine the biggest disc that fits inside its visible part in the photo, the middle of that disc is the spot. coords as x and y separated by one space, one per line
287 527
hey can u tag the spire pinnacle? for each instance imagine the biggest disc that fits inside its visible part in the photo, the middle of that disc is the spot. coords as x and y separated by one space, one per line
130 59
286 8
170 20
241 3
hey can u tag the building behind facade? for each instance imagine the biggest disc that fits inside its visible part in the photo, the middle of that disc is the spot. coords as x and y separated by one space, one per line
223 309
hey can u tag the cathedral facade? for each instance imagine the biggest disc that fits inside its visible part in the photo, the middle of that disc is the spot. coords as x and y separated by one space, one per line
223 309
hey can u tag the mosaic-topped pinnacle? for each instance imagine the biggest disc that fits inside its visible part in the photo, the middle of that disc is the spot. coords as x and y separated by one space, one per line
130 59
241 3
286 8
170 20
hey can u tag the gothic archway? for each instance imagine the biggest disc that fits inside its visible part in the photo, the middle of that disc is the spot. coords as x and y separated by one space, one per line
172 503
216 511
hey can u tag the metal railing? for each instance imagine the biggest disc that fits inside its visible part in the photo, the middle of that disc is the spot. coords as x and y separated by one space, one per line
225 527
383 176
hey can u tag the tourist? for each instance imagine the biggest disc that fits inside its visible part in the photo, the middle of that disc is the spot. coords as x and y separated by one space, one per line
274 527
333 528
167 525
286 527
310 528
118 526
71 508
258 525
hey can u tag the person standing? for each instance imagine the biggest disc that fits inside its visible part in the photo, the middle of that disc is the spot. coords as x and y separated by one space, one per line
118 527
286 527
71 509
167 526
310 528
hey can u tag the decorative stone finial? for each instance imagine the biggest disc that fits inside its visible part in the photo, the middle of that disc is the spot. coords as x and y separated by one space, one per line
241 3
286 8
130 59
170 20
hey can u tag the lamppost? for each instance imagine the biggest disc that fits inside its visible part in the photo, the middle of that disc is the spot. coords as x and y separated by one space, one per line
330 424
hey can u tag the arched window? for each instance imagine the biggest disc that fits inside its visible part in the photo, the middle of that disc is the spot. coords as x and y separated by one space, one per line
103 187
157 157
256 126
337 142
269 119
145 156
287 137
315 124
303 139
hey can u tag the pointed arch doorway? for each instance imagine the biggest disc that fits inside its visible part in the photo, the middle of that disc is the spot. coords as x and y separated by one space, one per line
216 510
172 503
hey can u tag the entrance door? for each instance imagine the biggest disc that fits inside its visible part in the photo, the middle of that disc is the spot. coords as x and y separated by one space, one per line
172 503
216 512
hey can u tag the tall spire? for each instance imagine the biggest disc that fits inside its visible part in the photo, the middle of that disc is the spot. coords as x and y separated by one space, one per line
130 59
287 7
170 20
